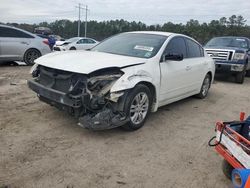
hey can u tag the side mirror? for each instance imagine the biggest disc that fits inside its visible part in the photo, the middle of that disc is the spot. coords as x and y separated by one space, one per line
173 57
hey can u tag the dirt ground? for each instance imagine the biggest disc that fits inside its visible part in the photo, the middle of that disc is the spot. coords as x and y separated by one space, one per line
41 146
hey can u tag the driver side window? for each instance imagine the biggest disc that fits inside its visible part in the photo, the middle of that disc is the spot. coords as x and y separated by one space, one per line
176 46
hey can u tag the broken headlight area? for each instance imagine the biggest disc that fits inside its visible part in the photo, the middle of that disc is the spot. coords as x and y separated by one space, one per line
86 97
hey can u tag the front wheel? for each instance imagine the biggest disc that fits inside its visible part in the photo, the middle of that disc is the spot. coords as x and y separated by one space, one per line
240 77
205 87
137 107
72 48
248 73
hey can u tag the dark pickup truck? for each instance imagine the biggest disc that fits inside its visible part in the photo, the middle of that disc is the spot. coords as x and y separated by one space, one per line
231 55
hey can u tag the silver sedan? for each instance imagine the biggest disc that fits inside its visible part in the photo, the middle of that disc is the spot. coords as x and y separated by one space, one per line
20 45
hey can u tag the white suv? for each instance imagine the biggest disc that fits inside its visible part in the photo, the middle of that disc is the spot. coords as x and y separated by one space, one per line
19 45
123 78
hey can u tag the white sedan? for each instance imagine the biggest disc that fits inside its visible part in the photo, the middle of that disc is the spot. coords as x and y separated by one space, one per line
124 78
76 43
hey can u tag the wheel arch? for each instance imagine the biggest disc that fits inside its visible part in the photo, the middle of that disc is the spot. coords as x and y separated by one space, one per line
153 92
211 76
131 80
72 48
151 88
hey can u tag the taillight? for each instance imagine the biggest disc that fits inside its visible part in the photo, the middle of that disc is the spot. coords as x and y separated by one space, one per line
46 41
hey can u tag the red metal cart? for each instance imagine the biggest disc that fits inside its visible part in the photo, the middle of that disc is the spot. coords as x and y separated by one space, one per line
232 145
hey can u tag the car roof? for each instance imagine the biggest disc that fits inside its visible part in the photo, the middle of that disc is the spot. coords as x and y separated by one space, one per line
167 34
154 33
13 27
4 25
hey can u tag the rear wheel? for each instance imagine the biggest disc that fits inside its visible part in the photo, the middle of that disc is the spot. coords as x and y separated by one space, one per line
227 169
30 56
205 87
72 48
137 107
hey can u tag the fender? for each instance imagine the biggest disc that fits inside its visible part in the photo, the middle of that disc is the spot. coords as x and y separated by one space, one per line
130 79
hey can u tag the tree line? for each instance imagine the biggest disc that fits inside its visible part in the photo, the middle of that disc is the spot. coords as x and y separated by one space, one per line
202 32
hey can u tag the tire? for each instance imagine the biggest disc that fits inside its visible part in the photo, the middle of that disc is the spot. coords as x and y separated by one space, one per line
227 169
248 73
72 48
205 87
136 112
30 55
240 77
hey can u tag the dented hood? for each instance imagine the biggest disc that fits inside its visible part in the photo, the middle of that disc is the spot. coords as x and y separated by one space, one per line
86 61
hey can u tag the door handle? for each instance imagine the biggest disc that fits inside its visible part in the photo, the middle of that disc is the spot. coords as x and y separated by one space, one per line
24 42
188 68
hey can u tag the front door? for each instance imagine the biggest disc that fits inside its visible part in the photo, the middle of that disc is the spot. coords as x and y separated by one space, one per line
13 43
175 74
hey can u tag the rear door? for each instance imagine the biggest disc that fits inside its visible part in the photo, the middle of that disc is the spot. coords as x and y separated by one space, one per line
14 43
91 43
84 44
81 44
197 64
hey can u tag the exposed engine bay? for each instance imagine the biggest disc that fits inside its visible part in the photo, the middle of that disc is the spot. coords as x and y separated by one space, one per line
86 97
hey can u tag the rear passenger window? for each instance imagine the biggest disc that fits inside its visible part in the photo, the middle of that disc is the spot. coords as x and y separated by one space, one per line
13 33
176 46
194 49
90 41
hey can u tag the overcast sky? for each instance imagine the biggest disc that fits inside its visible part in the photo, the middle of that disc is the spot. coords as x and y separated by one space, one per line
147 11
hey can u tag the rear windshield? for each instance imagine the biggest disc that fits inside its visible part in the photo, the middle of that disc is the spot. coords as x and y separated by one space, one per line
72 39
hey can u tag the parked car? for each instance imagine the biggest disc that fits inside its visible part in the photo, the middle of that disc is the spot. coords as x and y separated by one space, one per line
43 31
76 43
231 55
124 78
19 45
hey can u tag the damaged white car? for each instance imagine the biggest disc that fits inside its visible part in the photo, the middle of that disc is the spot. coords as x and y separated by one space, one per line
124 78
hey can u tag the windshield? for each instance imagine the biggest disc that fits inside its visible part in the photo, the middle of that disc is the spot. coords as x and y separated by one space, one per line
72 39
228 42
132 44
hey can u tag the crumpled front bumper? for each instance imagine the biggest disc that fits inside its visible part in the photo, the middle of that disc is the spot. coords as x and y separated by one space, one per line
104 119
54 96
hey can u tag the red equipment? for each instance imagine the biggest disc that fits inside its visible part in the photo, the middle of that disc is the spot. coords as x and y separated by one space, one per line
232 145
